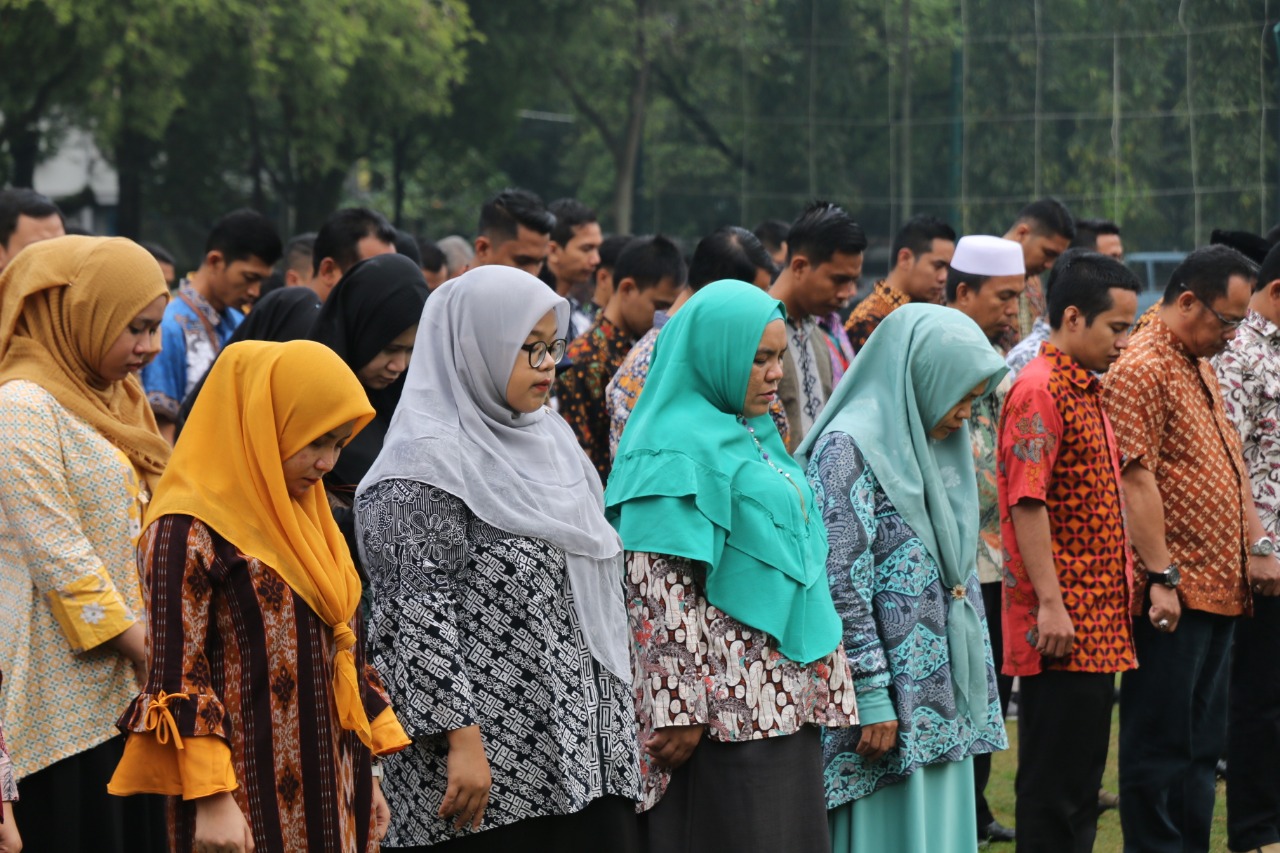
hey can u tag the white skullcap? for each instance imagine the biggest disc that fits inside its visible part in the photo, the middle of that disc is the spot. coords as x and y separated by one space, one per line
981 254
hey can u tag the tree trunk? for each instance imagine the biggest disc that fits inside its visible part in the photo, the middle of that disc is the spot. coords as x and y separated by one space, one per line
399 143
131 164
627 154
315 197
24 149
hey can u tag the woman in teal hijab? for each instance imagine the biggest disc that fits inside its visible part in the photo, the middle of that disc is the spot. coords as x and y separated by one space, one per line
737 652
890 462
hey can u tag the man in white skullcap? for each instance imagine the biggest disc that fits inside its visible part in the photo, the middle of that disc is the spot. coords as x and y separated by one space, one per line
986 278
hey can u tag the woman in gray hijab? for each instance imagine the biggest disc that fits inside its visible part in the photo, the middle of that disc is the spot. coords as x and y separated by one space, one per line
497 590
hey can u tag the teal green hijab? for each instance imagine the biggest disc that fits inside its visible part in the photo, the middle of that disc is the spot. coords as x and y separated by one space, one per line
919 363
689 481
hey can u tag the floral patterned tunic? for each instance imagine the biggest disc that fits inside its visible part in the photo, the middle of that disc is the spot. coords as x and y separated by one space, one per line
476 626
890 594
696 664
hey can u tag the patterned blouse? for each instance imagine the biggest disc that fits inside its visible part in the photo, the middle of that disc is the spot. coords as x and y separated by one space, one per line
8 782
695 664
870 313
255 660
1167 411
475 626
580 388
1249 372
192 335
890 594
984 428
69 516
1057 447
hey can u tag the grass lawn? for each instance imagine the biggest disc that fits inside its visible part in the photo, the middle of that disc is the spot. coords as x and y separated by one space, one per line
1000 796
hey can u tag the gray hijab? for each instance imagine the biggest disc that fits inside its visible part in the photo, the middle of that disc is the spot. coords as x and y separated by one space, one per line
522 473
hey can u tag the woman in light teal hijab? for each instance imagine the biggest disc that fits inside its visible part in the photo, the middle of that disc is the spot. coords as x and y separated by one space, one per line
735 636
891 464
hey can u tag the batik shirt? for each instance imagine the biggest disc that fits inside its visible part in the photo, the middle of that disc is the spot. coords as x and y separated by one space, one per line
870 313
1249 372
984 429
695 664
476 626
191 336
800 343
1166 408
593 360
1057 448
1028 348
838 346
625 386
889 592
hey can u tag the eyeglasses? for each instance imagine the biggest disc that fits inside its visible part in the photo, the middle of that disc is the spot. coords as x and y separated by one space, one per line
539 350
1226 323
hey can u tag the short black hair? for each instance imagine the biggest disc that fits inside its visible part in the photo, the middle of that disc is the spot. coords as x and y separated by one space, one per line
955 278
1206 272
23 202
570 214
160 253
407 245
1088 231
611 248
822 230
772 233
1247 243
730 252
299 251
1048 216
918 234
340 235
502 213
648 260
244 234
1083 279
433 259
1273 236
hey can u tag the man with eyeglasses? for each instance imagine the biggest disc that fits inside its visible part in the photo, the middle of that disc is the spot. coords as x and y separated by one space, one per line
1249 371
1201 550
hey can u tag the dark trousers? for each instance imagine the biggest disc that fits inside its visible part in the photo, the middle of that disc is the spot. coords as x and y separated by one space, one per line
608 823
65 808
1004 686
1253 730
1173 727
1064 729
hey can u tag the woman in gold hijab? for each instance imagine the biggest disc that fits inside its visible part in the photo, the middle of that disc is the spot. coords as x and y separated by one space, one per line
259 710
79 456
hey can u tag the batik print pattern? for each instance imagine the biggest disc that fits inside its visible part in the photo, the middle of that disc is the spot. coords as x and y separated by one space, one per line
984 425
580 388
1166 408
1056 447
696 665
1249 373
870 313
889 592
475 626
256 664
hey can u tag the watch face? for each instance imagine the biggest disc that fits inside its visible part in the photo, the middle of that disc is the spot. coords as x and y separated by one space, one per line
1174 576
1264 548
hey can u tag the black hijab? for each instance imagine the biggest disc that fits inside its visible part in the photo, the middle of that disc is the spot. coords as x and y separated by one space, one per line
284 314
374 303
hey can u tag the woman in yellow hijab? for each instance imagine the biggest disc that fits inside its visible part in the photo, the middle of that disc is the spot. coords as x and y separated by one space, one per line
259 710
80 452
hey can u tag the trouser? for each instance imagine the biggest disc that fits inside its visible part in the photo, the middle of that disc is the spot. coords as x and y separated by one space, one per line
1064 729
1004 686
1173 722
1253 730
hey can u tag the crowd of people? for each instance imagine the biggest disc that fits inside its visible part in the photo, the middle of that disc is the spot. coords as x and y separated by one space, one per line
553 540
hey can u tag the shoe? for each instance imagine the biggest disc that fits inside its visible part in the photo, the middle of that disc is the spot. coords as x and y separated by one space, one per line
996 831
1221 769
1107 800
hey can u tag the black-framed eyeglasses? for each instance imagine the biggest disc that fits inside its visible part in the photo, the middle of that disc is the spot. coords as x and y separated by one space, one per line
1226 323
539 350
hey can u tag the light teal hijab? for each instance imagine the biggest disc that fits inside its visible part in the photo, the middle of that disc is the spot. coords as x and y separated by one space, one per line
688 479
919 363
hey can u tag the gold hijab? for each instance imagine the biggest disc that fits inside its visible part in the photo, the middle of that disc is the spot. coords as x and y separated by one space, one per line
262 403
63 304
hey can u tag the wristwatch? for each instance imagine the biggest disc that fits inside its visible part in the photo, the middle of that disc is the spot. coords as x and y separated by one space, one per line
1264 547
1170 577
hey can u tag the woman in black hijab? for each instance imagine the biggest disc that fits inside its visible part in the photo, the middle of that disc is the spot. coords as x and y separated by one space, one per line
370 320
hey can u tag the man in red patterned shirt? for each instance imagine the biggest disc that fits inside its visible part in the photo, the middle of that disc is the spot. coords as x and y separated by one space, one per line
1068 577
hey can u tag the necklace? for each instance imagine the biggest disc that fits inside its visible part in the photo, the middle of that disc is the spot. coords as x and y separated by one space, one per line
764 455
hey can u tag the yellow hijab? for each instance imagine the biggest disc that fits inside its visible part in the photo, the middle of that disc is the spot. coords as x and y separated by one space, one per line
262 403
63 304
